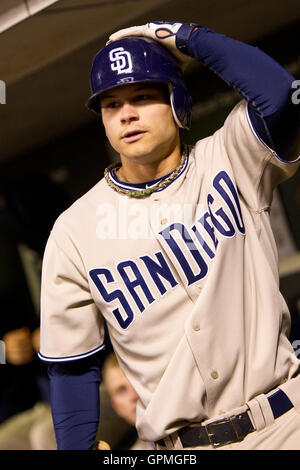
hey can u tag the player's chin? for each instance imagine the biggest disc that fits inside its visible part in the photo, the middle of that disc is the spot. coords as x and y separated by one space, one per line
136 151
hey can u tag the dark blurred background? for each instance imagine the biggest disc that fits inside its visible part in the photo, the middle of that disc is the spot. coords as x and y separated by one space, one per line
52 149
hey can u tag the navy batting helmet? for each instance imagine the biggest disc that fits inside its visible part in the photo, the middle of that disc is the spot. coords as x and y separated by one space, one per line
136 60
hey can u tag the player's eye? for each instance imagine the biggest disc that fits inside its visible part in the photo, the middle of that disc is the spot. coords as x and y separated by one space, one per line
111 104
144 97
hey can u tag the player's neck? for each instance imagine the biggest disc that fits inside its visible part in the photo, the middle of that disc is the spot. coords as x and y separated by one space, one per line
133 171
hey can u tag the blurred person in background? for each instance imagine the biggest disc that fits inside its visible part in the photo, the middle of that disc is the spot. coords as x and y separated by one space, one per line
32 428
123 399
29 207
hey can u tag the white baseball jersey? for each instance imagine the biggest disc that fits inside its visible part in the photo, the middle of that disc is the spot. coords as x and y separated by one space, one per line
186 280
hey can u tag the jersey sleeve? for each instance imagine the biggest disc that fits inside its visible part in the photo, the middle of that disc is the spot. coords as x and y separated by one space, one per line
71 325
257 168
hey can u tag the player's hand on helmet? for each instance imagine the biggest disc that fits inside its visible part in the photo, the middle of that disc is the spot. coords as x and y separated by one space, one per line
174 36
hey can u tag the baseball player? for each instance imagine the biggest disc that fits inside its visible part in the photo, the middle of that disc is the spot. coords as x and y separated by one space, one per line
173 251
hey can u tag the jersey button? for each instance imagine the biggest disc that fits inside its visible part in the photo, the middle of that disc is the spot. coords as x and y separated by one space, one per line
196 327
214 374
163 221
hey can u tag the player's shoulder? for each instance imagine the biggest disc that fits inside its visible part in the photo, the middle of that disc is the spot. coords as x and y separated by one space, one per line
236 124
238 118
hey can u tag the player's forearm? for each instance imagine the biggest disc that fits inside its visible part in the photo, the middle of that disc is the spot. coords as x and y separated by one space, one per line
260 80
75 403
255 74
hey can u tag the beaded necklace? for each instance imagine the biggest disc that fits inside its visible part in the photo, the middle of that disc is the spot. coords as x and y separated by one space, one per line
144 192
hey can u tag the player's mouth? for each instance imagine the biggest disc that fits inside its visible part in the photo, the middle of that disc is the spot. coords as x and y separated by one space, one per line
132 136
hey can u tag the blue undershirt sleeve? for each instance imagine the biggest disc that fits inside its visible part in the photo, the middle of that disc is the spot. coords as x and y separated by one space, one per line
264 83
75 401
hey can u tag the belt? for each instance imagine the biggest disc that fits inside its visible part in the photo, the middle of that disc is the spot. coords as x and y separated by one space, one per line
228 430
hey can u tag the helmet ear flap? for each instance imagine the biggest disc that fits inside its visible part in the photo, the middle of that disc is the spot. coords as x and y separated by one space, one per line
181 103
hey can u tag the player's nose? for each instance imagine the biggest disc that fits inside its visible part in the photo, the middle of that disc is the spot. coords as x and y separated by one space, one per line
128 113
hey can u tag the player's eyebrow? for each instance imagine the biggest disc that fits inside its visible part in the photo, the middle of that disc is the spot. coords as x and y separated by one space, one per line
104 96
145 87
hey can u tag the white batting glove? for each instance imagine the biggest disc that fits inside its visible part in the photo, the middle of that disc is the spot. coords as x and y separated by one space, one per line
174 36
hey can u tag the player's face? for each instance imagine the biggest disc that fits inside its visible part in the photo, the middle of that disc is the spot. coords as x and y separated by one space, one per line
139 123
122 394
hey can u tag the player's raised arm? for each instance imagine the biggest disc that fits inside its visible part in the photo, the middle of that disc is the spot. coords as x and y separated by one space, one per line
265 85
